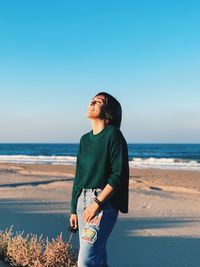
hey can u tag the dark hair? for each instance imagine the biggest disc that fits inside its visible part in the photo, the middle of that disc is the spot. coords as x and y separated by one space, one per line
112 110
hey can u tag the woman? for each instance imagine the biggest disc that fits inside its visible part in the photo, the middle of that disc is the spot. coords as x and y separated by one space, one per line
100 187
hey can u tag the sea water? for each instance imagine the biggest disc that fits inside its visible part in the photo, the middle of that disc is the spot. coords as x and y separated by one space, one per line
164 156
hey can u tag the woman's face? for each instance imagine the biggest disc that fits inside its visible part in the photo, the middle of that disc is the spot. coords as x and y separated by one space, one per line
95 107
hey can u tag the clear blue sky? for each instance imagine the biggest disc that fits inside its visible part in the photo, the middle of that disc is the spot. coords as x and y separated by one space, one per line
56 55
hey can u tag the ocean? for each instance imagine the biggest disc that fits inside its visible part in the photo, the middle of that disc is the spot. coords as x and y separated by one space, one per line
164 156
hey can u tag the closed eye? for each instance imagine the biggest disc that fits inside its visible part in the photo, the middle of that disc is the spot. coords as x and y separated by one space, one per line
98 100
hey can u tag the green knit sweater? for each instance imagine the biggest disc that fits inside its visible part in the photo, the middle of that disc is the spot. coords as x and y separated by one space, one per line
103 159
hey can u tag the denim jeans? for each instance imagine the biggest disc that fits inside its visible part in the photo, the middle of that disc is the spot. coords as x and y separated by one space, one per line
93 236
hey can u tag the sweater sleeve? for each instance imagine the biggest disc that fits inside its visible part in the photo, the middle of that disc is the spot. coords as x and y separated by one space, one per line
75 190
118 156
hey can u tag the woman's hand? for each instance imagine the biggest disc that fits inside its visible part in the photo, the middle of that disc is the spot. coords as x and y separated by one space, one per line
90 212
74 221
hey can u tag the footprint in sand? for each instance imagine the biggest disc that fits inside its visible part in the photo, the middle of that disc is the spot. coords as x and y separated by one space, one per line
147 206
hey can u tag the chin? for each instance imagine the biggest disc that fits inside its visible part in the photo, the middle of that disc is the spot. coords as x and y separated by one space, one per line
89 114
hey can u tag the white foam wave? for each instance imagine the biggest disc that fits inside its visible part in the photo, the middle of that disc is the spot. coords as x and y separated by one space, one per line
63 160
161 163
164 163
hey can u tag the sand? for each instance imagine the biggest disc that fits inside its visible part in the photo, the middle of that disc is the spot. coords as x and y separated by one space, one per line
162 227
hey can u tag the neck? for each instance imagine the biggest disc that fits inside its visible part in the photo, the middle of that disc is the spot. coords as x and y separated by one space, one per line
97 125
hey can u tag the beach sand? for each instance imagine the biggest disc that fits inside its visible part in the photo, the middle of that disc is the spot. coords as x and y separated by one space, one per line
162 227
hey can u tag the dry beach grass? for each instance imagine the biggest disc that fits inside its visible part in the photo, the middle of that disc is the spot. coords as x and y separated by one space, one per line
30 251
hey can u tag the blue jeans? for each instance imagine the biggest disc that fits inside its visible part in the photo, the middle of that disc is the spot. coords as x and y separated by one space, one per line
93 236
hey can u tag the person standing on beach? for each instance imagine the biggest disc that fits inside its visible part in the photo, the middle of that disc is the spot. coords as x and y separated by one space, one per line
100 188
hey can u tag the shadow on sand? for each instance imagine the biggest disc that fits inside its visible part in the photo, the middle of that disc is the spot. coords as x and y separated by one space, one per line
132 250
35 183
125 247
